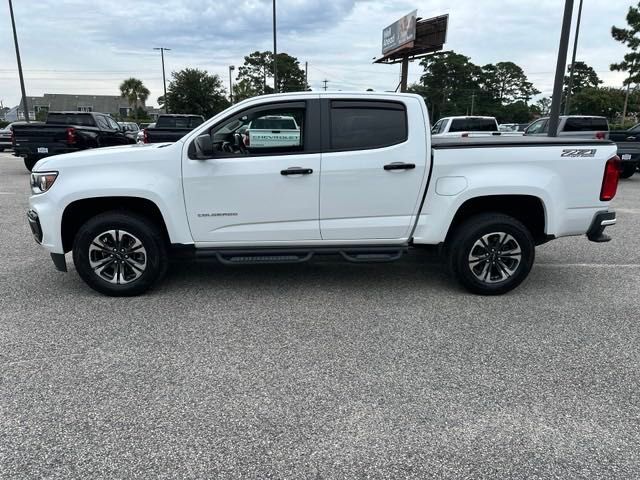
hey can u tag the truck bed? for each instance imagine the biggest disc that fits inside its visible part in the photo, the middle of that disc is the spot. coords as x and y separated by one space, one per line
512 141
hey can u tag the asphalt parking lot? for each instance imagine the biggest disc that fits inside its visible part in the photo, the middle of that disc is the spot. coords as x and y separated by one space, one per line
321 370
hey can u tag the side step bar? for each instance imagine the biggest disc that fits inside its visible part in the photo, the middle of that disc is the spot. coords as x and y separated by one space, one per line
367 254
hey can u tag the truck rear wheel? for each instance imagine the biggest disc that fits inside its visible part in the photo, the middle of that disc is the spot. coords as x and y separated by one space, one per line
120 253
30 162
628 171
491 254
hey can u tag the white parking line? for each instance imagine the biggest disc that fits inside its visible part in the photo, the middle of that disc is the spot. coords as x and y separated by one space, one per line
589 265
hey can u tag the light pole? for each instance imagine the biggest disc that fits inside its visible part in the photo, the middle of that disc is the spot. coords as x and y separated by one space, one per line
556 99
567 100
231 69
275 52
25 106
164 80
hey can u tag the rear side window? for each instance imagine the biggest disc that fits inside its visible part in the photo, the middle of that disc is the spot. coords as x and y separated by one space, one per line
361 125
178 122
473 125
70 119
585 124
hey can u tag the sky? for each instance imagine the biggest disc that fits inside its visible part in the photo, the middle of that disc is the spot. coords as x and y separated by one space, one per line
89 47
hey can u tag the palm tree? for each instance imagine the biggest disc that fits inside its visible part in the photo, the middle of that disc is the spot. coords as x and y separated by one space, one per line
135 92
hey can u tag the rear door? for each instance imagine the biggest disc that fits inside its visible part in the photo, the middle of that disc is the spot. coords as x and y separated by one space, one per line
374 166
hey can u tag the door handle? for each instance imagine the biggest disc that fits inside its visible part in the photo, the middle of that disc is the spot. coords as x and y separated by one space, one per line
400 166
296 171
631 138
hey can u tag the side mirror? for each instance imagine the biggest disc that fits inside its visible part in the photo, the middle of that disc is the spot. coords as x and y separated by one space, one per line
204 146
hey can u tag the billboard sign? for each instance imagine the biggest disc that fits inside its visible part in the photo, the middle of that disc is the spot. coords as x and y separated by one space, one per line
399 33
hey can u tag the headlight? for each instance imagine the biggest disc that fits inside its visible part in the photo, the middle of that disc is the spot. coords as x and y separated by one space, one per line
42 181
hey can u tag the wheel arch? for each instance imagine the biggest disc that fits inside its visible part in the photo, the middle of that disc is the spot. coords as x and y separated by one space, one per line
78 212
528 209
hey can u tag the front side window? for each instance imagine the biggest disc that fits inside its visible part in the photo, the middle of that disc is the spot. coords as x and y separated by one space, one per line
102 122
361 125
536 127
261 131
437 128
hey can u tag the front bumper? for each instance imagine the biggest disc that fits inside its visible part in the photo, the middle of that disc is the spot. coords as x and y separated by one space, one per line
36 229
601 220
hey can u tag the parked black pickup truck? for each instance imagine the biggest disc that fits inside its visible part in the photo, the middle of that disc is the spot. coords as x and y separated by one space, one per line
65 132
628 142
171 127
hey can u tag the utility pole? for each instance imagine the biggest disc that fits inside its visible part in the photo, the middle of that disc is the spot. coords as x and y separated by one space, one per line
164 80
554 118
275 52
325 84
306 72
25 105
626 102
473 102
404 73
231 69
567 100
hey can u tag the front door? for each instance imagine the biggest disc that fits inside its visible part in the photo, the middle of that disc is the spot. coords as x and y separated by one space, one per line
373 169
261 192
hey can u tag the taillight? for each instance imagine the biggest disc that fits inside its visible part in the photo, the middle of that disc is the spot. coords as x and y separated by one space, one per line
610 179
601 135
145 136
71 136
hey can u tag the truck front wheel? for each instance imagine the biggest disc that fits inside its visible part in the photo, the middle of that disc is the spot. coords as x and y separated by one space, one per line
120 253
491 254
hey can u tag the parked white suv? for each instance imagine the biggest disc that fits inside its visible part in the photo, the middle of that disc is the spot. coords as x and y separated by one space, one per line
364 181
457 126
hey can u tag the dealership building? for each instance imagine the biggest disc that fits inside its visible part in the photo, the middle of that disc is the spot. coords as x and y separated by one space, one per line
116 106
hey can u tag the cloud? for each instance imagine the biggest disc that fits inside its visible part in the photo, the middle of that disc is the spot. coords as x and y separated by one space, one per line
74 46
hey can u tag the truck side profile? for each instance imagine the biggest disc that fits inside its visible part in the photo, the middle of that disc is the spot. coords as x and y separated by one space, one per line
365 181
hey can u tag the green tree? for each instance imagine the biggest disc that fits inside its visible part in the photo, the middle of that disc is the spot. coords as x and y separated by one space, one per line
605 101
197 92
258 73
543 106
507 83
584 76
448 84
631 62
243 90
135 92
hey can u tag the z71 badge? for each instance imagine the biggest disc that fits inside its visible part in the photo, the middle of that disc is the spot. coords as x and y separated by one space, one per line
579 152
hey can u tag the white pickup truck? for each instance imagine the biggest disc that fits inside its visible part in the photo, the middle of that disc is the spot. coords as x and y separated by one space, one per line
365 181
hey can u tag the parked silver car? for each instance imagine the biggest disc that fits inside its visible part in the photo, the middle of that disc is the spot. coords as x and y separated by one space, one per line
584 126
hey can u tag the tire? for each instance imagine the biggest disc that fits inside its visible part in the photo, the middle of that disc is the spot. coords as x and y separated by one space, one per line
30 162
140 264
1 149
628 171
467 251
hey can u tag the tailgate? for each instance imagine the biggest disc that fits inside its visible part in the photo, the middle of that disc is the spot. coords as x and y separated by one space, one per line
41 136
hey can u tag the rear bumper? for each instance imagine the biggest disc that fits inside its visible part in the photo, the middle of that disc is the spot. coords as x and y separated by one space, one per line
601 220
